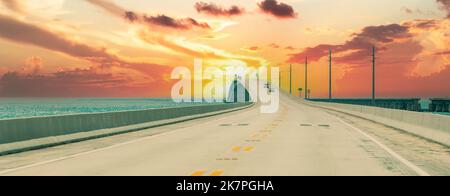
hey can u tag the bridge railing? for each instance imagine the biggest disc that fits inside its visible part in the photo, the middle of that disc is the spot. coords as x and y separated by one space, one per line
23 134
424 124
399 104
440 105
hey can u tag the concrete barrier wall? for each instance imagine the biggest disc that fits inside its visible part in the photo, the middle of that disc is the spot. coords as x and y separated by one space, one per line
427 120
19 130
411 104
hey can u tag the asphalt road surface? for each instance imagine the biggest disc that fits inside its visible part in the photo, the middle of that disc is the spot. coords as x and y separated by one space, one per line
297 140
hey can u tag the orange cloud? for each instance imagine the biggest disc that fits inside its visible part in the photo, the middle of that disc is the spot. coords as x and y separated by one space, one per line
13 5
290 48
109 6
178 44
17 31
107 71
360 44
98 80
252 49
33 65
274 45
90 82
197 50
157 20
37 36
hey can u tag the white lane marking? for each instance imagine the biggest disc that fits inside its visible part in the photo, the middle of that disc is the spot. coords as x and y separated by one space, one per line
415 168
109 147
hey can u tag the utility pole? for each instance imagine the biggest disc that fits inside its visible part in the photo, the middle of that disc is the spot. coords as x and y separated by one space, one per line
279 81
290 79
300 89
373 74
306 78
330 82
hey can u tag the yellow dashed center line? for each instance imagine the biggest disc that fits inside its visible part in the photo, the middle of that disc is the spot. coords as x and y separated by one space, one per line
199 173
218 172
249 148
236 149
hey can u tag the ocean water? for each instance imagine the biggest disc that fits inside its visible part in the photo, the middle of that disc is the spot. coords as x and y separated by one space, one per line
26 108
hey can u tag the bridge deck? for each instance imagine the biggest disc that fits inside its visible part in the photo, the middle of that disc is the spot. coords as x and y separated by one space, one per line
297 140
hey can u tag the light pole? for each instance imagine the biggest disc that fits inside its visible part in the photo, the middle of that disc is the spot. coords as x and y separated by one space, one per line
306 78
290 79
330 79
373 74
279 80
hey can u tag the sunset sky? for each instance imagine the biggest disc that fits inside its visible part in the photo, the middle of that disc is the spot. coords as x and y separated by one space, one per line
128 48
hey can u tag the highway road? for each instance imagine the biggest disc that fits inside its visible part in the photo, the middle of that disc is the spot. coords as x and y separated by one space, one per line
297 140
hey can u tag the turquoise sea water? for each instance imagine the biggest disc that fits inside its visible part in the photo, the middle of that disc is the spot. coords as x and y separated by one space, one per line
26 108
